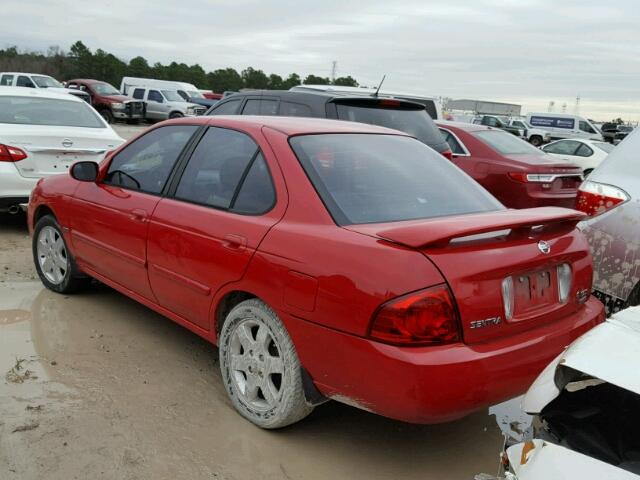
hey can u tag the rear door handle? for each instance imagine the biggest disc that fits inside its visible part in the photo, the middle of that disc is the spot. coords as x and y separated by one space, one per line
234 242
138 215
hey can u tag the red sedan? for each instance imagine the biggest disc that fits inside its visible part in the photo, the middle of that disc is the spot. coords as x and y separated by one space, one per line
515 172
326 259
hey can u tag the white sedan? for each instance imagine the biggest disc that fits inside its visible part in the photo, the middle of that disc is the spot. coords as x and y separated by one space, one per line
42 133
586 153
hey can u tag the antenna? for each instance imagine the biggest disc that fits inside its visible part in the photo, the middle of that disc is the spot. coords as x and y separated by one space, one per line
378 89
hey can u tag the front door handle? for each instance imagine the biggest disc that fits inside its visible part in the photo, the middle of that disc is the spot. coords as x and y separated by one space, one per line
234 242
138 215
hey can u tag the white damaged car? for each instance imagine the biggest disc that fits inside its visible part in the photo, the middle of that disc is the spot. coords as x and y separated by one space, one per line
586 407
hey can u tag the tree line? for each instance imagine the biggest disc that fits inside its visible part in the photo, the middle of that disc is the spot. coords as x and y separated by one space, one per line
81 62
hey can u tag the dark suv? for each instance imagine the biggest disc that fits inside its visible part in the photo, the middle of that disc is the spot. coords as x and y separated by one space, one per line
402 115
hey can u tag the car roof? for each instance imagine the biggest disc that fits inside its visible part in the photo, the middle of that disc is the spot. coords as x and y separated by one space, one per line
355 90
38 93
290 125
467 127
86 80
25 73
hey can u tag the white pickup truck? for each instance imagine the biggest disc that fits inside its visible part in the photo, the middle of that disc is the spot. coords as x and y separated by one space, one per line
535 136
37 80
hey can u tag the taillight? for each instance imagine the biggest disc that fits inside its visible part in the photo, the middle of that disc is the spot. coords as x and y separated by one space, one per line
425 317
447 154
11 154
596 198
534 177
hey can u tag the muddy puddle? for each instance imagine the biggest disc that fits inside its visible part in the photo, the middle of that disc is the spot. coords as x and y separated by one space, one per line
118 392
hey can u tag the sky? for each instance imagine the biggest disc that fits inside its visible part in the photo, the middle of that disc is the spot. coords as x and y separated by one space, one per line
529 52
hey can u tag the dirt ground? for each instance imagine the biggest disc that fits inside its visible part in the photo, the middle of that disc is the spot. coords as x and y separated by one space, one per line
94 385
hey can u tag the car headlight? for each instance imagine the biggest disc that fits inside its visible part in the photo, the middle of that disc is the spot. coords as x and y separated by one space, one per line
191 110
117 106
521 132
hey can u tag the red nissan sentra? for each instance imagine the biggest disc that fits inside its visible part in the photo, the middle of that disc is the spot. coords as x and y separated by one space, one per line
326 259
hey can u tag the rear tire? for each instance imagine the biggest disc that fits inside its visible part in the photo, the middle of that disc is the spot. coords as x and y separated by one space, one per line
260 367
53 261
175 115
536 141
107 115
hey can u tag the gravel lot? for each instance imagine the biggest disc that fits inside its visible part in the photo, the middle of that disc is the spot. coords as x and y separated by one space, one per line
94 385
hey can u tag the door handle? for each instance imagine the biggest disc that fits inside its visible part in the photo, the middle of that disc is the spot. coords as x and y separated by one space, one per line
234 242
138 215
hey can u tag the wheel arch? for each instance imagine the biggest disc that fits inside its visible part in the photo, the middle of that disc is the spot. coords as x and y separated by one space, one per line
228 301
41 211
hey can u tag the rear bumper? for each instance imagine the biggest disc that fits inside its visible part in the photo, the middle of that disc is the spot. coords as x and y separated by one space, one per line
432 384
541 199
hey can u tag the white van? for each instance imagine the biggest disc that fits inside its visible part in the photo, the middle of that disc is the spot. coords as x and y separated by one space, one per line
563 125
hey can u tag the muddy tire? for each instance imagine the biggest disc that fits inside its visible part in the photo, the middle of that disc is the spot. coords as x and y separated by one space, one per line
107 115
260 367
53 260
175 115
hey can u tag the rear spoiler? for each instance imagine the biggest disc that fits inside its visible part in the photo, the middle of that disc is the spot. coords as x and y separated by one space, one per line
438 232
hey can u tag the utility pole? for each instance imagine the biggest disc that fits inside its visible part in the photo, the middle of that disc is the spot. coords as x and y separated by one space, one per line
334 65
552 104
577 108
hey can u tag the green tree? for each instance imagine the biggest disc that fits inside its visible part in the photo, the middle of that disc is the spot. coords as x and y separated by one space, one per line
253 78
224 79
138 67
275 82
315 80
81 60
292 80
347 81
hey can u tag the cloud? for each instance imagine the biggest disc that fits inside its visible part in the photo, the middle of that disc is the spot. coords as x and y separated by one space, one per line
522 51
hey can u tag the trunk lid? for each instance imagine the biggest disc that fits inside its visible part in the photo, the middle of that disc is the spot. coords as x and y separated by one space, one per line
476 253
565 177
51 150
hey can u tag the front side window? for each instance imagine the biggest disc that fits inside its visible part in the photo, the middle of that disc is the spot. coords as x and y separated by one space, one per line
155 96
563 147
48 111
585 127
173 96
146 163
215 169
364 178
226 108
6 80
24 82
505 143
138 94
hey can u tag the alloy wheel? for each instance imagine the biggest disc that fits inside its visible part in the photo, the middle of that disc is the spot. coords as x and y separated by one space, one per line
52 255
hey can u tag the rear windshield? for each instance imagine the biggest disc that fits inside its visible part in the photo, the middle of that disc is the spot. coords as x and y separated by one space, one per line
505 143
47 111
414 121
386 178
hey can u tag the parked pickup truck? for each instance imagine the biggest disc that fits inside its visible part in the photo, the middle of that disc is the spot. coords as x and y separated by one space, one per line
499 122
36 80
614 133
535 136
109 102
163 104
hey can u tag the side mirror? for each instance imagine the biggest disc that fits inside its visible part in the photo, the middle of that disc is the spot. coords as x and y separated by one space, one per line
84 171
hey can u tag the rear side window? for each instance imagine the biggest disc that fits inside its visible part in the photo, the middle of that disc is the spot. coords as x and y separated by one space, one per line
454 144
217 167
415 122
386 178
505 143
584 151
290 109
47 111
226 108
256 194
562 147
6 80
138 94
146 163
260 107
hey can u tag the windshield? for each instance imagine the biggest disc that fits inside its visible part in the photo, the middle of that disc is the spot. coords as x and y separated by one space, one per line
195 94
172 96
365 178
415 122
505 143
43 81
607 147
104 89
45 111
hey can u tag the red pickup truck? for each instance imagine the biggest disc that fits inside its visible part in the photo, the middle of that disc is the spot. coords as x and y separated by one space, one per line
109 102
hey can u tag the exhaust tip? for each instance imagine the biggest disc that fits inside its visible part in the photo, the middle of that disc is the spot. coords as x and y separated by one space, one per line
14 209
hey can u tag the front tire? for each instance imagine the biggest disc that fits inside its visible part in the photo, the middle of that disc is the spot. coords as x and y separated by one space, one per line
107 115
260 367
536 141
176 115
53 260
